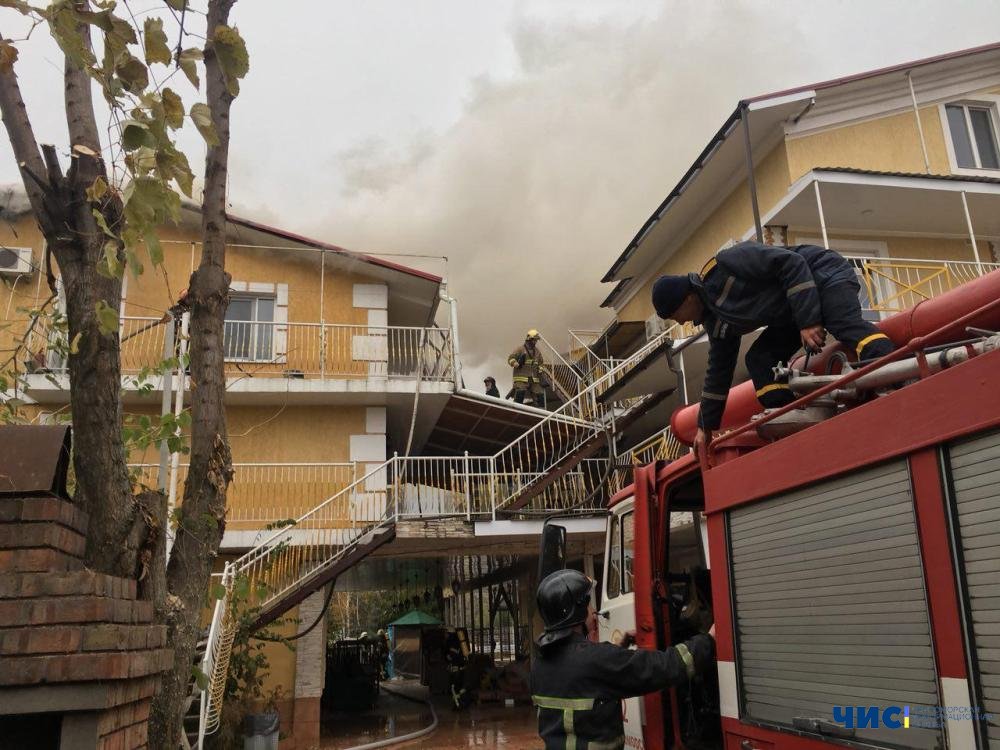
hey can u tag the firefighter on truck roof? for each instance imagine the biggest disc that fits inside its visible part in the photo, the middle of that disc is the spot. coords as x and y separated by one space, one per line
578 685
796 293
527 362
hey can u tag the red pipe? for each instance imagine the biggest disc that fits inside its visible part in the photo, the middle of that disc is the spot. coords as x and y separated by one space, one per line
924 318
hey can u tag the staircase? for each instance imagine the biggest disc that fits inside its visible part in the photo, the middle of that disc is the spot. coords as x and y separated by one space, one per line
546 469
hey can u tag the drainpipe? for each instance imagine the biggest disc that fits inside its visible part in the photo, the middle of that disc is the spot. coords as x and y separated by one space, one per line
920 127
751 180
455 351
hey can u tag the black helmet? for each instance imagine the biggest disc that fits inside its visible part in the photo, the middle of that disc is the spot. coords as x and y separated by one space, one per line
563 598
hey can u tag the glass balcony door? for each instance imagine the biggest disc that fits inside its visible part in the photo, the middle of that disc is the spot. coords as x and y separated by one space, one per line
249 329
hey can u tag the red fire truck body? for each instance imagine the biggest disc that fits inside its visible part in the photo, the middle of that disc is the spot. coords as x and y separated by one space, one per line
853 568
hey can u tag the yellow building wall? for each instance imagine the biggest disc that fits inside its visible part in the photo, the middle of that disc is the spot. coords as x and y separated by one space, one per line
156 290
888 144
728 222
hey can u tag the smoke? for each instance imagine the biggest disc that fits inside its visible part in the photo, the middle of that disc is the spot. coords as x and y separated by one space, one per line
546 176
548 171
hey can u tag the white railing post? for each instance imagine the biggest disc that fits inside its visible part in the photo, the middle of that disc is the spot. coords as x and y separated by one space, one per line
493 487
468 493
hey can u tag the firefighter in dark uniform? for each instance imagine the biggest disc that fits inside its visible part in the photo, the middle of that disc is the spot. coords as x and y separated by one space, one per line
578 685
491 386
796 293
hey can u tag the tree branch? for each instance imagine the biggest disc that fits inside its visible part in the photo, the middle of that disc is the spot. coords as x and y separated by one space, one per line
22 137
77 89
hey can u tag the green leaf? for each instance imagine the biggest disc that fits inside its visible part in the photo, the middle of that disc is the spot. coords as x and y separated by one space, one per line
241 587
102 223
107 317
111 265
231 51
134 264
173 109
97 190
155 42
155 248
218 591
143 160
201 115
200 678
74 345
133 74
136 134
8 54
188 61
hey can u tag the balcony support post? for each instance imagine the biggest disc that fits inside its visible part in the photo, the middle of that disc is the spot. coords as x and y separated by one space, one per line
468 489
178 408
972 234
822 218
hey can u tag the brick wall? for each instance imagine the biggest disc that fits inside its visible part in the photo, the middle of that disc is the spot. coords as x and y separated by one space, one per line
72 641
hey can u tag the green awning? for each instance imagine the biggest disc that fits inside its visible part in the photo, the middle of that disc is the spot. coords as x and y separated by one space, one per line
416 617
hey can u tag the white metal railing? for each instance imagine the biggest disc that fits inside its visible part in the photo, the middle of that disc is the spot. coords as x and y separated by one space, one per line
335 350
294 350
661 446
891 285
265 493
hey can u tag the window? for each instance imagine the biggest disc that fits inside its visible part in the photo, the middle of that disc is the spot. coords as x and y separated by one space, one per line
628 551
614 559
621 551
973 135
249 328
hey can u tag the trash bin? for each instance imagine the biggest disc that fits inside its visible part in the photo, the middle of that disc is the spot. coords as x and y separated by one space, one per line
260 731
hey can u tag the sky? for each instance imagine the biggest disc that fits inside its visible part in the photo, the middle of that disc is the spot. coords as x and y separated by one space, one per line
524 140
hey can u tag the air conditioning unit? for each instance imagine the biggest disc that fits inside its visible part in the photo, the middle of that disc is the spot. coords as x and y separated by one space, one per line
655 325
14 261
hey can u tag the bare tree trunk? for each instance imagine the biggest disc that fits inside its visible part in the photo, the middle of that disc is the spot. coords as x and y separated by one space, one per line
203 514
65 217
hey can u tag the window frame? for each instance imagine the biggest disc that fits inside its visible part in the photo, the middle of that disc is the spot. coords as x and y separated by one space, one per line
257 351
990 102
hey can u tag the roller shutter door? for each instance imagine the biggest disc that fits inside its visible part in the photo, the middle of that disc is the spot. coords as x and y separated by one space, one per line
830 605
975 474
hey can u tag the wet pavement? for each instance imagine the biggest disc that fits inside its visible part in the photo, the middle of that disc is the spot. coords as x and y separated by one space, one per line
490 725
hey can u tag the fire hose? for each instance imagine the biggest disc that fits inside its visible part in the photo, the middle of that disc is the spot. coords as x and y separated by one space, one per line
390 741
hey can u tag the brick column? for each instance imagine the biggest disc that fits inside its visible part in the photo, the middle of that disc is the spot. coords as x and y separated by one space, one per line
310 671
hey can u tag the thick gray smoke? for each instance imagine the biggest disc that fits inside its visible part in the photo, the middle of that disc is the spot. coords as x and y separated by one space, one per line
546 176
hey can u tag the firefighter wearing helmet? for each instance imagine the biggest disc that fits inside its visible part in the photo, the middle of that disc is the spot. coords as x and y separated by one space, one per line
578 685
526 362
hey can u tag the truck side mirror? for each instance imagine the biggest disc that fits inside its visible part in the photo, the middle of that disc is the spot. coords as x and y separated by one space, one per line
552 555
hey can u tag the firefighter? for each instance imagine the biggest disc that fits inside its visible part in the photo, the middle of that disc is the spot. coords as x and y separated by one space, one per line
795 293
527 362
578 685
491 386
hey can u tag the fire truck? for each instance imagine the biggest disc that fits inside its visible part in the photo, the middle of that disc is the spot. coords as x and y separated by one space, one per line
847 549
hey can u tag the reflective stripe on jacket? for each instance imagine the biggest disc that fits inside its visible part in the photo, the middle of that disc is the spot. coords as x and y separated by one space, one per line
531 369
578 686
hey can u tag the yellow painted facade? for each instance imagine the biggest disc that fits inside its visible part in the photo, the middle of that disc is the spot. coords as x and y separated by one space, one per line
890 143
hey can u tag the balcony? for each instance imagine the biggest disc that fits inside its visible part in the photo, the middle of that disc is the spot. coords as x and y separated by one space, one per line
264 494
891 285
308 359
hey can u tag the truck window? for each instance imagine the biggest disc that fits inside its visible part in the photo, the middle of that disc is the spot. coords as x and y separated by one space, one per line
614 559
628 550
